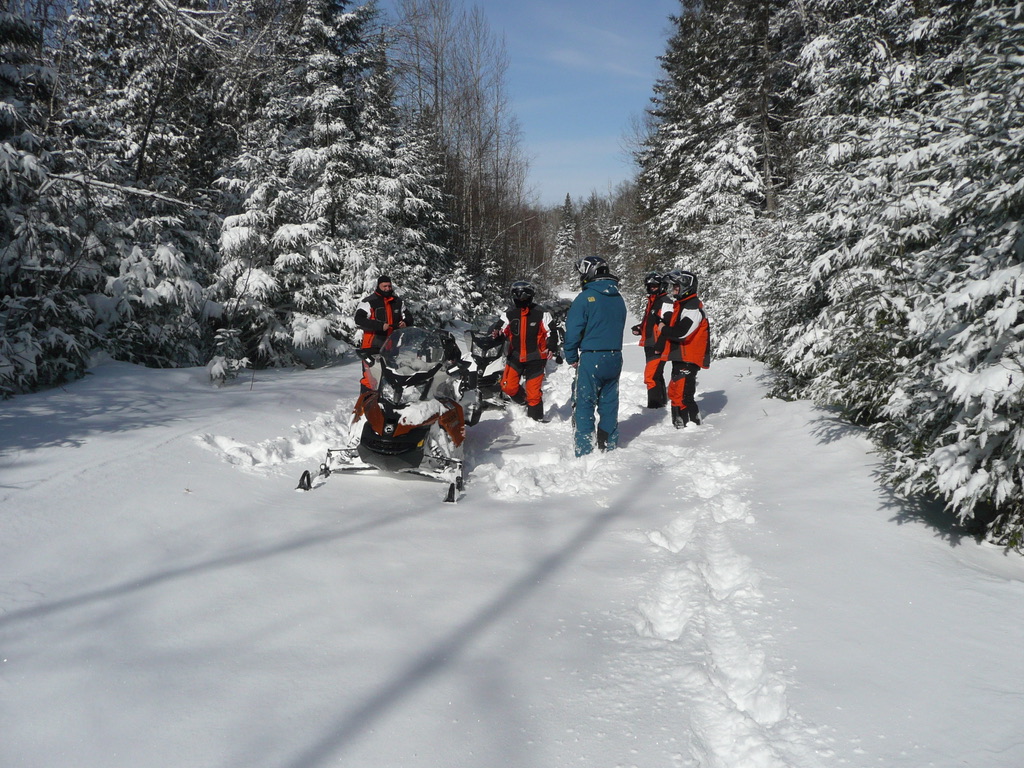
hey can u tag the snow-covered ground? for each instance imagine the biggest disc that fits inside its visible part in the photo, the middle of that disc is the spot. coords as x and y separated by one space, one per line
736 595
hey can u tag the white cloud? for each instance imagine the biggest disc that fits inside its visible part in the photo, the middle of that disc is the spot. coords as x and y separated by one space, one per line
606 42
596 61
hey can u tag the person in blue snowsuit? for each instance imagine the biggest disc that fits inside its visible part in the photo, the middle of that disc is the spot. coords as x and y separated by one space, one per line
593 346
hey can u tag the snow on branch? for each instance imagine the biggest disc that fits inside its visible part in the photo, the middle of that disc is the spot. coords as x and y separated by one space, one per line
84 180
192 24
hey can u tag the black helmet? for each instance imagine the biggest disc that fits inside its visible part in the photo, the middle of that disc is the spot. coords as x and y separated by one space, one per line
591 267
686 282
522 291
653 282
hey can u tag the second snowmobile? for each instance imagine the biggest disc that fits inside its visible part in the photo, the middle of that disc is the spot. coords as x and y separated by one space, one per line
488 353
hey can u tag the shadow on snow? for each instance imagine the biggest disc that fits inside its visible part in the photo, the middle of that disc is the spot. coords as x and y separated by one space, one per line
431 661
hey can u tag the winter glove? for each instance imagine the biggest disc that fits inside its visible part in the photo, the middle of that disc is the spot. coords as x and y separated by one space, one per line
636 329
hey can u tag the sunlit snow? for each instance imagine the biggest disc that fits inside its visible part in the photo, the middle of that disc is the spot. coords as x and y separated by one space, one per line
735 595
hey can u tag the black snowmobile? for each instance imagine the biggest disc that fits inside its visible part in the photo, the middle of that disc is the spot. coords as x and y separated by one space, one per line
488 354
412 420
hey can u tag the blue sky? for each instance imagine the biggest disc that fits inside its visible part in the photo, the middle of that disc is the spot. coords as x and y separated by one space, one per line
579 71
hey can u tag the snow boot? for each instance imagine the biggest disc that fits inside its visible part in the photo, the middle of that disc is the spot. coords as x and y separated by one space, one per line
535 412
655 398
690 413
602 439
519 398
679 417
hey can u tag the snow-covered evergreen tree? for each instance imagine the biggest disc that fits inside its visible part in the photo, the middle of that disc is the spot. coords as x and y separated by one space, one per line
396 208
566 251
333 192
955 420
877 219
715 157
901 291
282 275
842 315
47 259
142 137
595 227
632 244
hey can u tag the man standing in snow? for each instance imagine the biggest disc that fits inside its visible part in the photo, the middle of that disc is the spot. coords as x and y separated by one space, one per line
379 315
532 337
649 331
687 338
593 346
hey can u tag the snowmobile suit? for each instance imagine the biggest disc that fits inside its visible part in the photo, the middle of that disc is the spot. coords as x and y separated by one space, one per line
530 333
649 330
593 340
373 313
686 340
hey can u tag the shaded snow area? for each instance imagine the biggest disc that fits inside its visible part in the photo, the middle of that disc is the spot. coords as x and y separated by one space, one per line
735 595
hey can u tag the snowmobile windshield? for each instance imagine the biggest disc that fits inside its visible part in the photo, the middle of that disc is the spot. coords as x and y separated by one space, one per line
412 351
480 335
485 324
557 308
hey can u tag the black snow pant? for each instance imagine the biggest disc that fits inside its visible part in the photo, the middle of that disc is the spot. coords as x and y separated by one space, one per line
683 389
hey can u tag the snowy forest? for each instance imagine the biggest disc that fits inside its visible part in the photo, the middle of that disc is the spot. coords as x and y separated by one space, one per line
218 182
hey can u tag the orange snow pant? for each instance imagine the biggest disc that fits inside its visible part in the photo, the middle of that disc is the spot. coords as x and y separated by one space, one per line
532 371
654 377
653 373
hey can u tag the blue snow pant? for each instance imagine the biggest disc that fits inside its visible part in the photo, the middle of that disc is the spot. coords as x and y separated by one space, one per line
597 386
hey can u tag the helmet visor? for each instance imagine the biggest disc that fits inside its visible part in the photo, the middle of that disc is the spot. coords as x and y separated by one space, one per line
521 290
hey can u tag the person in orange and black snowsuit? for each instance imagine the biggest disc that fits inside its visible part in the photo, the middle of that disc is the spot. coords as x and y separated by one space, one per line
532 339
649 331
379 315
686 339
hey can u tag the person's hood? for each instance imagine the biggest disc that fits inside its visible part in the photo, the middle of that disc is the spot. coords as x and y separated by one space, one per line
607 285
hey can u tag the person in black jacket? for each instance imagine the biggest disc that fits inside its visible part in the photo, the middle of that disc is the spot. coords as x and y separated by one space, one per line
649 331
532 337
379 315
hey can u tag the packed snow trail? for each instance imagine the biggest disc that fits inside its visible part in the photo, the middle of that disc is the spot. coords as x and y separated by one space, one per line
698 617
705 593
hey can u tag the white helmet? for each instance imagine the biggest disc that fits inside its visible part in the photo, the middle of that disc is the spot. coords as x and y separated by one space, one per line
686 282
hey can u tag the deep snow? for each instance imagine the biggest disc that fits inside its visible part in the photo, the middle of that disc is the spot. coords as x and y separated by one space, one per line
736 595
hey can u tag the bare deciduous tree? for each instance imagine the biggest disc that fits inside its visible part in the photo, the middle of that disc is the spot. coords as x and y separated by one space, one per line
451 72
